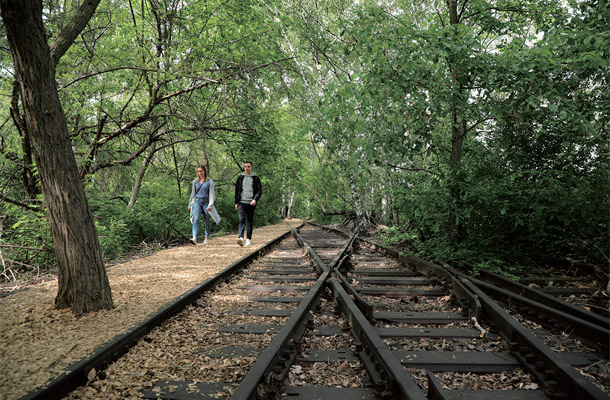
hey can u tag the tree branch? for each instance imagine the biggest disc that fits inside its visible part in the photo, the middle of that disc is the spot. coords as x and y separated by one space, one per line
24 205
414 169
312 192
14 246
73 29
80 78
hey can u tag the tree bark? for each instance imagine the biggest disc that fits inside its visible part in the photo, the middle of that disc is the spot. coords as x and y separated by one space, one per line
82 281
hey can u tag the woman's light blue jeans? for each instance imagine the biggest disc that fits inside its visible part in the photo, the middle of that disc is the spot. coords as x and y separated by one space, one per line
200 207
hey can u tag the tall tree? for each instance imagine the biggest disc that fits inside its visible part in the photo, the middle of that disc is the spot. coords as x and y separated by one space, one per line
82 281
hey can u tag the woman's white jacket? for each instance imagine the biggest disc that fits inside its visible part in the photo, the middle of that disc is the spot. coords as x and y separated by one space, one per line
213 212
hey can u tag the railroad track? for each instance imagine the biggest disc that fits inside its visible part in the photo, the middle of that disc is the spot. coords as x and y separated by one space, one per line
326 315
554 374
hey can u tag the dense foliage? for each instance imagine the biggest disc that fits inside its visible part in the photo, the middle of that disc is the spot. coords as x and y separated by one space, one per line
473 131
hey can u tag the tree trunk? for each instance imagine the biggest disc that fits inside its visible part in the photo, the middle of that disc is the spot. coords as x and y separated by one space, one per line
82 281
28 177
385 209
289 212
178 176
363 223
308 208
141 172
458 130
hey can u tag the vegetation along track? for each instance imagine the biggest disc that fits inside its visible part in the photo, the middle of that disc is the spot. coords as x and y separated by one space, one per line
327 315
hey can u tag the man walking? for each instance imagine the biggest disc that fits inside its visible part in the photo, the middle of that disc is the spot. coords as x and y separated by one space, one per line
248 191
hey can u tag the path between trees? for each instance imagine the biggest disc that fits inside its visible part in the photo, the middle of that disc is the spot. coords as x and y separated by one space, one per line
38 342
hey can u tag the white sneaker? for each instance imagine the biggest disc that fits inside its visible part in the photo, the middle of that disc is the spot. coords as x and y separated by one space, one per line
206 241
248 242
240 241
193 240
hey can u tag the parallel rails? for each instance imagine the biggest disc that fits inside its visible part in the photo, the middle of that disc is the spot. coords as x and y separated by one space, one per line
558 378
386 371
387 376
548 310
333 254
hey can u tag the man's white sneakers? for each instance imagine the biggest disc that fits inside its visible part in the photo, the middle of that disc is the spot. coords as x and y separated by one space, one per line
248 242
240 241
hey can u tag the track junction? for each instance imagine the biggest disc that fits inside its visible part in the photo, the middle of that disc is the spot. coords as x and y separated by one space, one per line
365 320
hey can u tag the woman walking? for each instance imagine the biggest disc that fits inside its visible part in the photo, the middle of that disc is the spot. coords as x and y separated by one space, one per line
202 202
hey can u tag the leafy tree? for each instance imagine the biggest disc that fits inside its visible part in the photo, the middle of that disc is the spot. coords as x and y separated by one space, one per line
83 283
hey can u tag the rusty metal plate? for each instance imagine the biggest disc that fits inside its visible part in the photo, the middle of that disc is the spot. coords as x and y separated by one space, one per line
385 280
276 288
381 291
284 271
326 393
429 332
420 317
251 328
276 299
263 313
282 278
181 390
457 361
382 272
329 355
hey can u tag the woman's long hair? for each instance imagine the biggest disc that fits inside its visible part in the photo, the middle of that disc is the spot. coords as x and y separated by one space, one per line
205 172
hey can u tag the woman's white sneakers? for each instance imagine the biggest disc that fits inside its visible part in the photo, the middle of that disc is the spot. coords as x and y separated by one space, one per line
206 241
193 241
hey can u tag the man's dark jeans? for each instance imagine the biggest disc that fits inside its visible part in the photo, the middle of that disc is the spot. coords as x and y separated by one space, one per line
245 212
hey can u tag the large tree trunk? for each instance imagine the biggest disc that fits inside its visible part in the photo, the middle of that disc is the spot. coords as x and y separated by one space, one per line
83 283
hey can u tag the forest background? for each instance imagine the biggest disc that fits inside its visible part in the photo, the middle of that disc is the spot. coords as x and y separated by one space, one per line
473 132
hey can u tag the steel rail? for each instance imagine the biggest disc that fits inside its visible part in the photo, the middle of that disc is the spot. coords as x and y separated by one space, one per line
262 369
557 376
591 334
76 374
365 307
446 276
544 298
399 382
383 363
268 359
